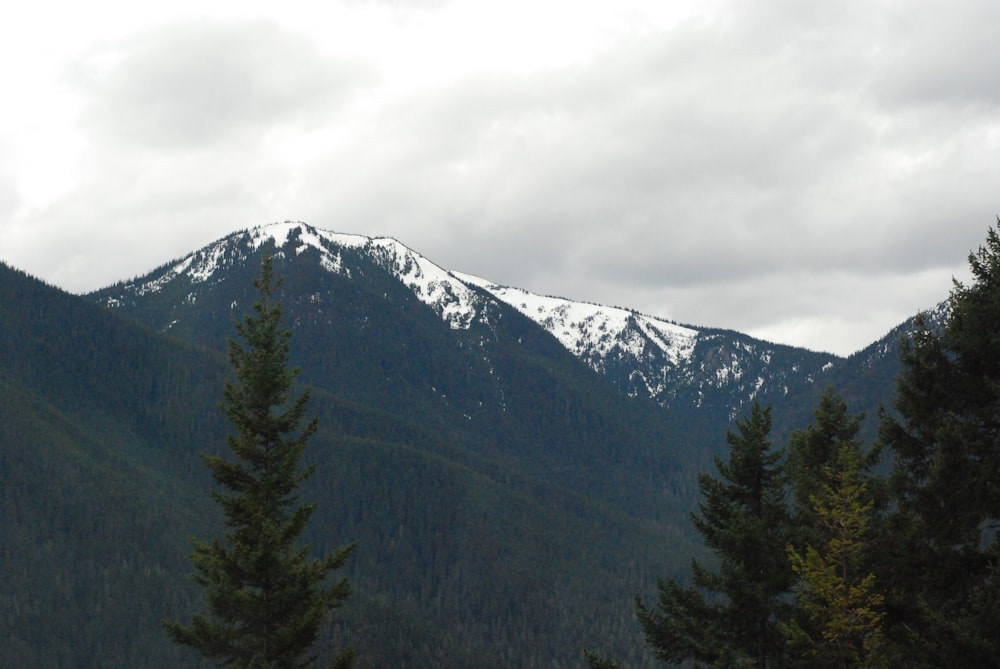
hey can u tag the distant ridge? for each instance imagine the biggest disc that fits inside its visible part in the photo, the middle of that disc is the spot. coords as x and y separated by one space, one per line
645 356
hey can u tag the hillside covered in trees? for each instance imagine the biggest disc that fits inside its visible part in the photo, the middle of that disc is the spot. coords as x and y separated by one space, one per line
507 500
826 559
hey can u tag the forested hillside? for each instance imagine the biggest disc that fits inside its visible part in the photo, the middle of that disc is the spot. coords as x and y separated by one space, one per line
99 485
840 551
507 499
469 547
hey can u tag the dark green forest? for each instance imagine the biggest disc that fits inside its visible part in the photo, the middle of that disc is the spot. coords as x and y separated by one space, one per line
507 502
476 547
825 556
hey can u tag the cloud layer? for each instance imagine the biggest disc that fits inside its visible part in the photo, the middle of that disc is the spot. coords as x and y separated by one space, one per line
812 174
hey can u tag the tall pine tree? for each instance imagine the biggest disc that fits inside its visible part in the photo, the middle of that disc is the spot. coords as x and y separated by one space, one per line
840 621
731 617
837 619
942 557
266 597
811 451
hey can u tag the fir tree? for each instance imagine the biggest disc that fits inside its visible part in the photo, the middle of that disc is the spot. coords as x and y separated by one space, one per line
942 555
595 661
812 451
267 598
744 521
841 612
833 502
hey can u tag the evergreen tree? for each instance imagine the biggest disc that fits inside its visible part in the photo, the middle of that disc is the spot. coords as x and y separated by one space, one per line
266 596
832 507
841 612
816 448
744 520
595 661
942 556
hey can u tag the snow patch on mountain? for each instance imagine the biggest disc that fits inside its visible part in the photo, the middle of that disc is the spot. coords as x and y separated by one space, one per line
306 235
440 289
596 332
173 273
451 299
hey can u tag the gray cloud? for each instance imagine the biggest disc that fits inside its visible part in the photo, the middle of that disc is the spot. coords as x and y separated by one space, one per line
675 160
10 198
183 126
817 170
196 83
942 55
717 158
401 5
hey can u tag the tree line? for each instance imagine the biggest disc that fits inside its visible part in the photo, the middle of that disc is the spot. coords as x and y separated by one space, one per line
834 553
828 553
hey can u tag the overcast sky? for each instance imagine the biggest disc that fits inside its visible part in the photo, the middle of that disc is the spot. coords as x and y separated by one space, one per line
809 173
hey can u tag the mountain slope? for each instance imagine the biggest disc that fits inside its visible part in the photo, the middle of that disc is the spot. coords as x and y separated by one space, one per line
643 356
514 467
498 487
95 507
407 336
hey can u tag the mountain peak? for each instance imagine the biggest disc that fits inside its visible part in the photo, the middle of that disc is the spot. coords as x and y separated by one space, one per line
643 355
431 284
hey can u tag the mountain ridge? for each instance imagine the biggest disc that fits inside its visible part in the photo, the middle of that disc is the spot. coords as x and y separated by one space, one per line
646 355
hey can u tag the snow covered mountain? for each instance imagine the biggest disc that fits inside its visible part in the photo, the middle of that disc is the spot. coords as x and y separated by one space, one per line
642 355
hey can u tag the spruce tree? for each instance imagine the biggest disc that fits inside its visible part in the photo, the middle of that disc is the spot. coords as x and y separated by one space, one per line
595 661
942 556
837 620
266 596
731 617
841 611
816 448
